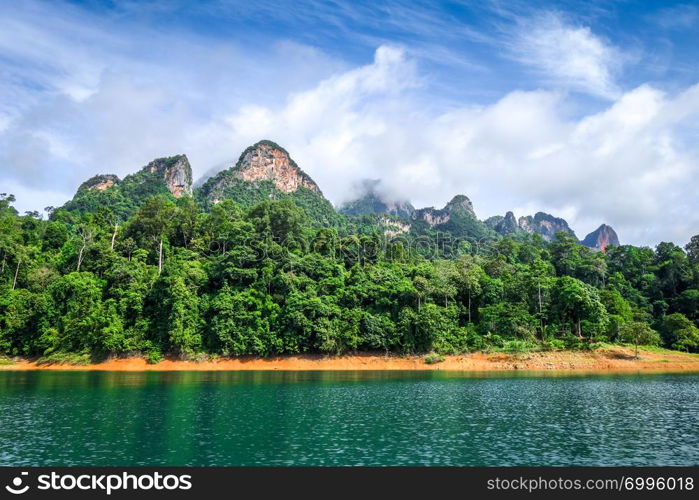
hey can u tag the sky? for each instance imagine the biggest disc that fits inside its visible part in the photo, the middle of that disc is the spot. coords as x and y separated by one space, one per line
588 110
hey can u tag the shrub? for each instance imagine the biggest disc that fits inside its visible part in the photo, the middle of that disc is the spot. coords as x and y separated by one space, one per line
433 358
68 358
154 357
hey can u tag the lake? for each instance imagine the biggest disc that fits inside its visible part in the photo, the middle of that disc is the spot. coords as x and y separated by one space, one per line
346 418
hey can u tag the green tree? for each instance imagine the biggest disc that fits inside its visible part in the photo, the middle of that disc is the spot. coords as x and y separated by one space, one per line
638 333
619 311
692 249
678 332
153 224
74 312
576 302
183 319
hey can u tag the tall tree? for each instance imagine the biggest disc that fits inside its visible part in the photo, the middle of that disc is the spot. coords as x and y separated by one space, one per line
154 223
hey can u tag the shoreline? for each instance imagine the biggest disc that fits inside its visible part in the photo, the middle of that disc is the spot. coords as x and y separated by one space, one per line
614 359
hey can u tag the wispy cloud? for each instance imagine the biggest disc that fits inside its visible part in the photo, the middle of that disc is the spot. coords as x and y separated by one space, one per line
81 98
679 17
82 94
566 55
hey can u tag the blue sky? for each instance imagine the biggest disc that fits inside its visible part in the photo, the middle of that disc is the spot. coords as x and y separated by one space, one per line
587 110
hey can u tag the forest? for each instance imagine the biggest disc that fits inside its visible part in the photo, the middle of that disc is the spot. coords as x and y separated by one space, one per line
167 277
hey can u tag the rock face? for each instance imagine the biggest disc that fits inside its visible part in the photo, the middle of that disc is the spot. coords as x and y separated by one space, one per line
100 182
459 205
373 201
264 161
601 238
431 215
265 171
393 227
545 225
267 161
176 173
123 196
508 224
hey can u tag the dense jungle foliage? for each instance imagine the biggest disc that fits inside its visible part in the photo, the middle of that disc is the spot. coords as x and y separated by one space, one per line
174 279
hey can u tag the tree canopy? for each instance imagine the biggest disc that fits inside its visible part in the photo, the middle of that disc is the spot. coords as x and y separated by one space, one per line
172 277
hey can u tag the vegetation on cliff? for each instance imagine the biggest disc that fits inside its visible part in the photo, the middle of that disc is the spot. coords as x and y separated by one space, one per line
265 171
123 198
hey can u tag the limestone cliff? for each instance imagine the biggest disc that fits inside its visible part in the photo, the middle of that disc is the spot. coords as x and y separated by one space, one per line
545 225
393 227
263 162
175 172
503 225
601 238
267 161
433 216
265 171
123 197
100 182
459 205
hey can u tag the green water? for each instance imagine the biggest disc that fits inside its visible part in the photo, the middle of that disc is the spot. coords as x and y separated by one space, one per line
346 418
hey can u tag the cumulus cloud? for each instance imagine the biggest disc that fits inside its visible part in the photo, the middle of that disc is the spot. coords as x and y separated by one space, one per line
102 108
81 100
630 165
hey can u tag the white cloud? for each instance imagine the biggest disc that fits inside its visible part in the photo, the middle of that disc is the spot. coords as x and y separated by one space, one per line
568 56
81 99
634 165
626 165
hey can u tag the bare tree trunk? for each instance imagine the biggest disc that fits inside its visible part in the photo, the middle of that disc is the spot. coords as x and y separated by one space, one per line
578 328
541 313
116 227
14 282
4 258
469 306
160 257
80 257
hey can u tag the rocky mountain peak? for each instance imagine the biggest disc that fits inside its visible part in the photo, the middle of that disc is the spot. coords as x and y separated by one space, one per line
601 238
508 224
176 173
265 171
266 160
460 204
545 225
101 182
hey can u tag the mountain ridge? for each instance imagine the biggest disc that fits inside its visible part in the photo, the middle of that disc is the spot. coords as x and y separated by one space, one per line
266 171
170 176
